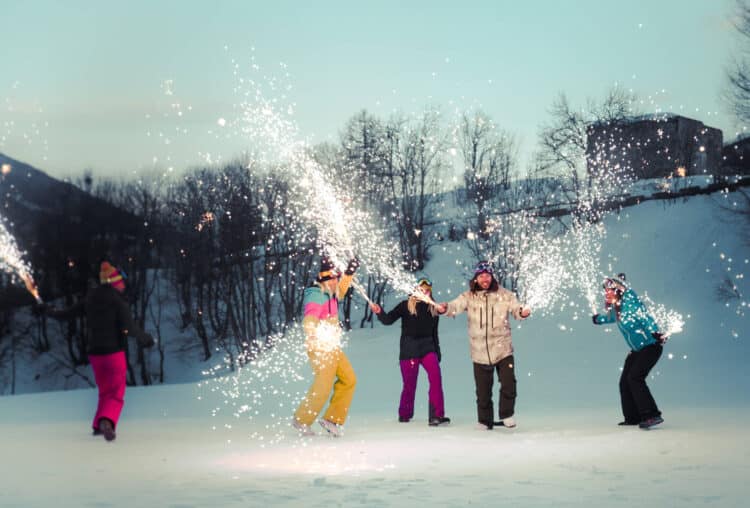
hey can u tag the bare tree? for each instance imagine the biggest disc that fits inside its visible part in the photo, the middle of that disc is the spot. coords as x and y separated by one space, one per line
489 156
563 142
415 162
737 92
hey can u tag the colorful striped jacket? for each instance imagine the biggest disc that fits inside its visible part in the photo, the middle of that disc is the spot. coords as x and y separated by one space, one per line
321 315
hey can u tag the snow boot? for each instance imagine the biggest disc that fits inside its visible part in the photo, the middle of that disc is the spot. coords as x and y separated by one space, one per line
107 429
435 421
509 422
403 419
627 423
334 429
303 429
650 422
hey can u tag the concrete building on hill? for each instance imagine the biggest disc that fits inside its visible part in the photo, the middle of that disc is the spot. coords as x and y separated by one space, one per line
654 146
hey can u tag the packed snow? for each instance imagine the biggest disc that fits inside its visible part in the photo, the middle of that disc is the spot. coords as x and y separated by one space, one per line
181 445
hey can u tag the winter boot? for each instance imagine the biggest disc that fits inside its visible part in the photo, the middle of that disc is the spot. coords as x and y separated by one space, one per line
403 419
483 426
435 421
302 428
509 422
627 423
334 429
650 422
107 429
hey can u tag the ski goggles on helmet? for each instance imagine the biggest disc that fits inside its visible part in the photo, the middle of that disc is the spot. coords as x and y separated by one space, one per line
484 266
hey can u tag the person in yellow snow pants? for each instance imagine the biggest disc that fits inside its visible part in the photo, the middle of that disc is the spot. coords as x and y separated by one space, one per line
331 367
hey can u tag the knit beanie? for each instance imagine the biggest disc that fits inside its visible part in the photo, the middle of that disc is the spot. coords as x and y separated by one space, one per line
327 270
108 274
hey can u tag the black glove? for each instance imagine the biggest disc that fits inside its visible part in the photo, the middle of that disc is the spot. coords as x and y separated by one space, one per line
594 319
660 337
352 266
146 340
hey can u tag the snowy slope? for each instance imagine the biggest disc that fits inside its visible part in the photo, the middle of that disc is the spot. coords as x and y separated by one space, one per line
175 449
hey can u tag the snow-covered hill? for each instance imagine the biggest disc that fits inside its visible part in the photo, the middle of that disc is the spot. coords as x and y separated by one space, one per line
180 445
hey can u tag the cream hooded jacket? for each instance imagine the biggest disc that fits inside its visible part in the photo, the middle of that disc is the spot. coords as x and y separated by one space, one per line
488 319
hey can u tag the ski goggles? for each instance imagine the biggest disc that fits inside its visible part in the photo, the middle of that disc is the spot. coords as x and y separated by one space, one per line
424 281
484 266
612 284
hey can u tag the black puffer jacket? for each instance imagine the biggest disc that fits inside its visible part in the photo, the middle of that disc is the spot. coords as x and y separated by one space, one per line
109 321
419 334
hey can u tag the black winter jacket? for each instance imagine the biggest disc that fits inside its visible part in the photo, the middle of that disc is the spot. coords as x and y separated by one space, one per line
419 334
109 321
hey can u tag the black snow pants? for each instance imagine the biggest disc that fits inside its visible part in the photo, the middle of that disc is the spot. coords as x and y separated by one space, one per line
483 377
636 399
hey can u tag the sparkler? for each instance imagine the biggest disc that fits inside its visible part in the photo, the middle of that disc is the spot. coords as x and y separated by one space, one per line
11 260
318 198
356 285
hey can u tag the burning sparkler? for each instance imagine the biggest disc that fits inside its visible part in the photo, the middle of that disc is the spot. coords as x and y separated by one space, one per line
11 260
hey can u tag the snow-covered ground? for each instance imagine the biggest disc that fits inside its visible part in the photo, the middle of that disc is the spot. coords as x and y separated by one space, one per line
174 449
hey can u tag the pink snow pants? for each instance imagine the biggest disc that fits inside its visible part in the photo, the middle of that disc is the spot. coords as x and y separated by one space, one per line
110 374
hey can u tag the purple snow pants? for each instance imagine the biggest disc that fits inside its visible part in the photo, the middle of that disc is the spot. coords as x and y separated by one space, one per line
409 373
110 373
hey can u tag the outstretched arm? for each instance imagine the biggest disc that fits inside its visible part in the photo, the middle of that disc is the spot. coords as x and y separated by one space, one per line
457 305
603 319
394 315
518 310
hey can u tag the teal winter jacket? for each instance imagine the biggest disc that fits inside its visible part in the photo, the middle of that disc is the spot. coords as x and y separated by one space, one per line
634 321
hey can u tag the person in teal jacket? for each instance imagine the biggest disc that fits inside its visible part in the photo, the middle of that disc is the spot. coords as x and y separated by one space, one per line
646 345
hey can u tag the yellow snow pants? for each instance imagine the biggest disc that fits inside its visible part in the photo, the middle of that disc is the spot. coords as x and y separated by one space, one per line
332 370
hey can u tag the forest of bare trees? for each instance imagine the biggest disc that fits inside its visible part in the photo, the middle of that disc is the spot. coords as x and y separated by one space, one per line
219 255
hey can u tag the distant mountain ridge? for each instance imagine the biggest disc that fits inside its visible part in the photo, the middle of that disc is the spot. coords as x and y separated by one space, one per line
51 218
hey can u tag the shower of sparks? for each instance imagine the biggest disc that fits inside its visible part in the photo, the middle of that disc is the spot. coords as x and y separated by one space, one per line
669 321
541 275
344 230
319 207
586 245
328 337
263 387
11 261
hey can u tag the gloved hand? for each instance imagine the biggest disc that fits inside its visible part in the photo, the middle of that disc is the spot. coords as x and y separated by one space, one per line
594 319
376 308
352 266
146 341
660 337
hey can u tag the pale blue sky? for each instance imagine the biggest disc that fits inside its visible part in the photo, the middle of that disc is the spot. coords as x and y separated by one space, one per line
90 75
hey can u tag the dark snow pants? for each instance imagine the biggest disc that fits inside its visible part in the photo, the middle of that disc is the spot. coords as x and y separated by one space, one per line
483 377
636 399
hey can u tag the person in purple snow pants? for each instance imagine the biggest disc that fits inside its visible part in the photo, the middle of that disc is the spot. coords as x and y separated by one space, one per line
419 346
